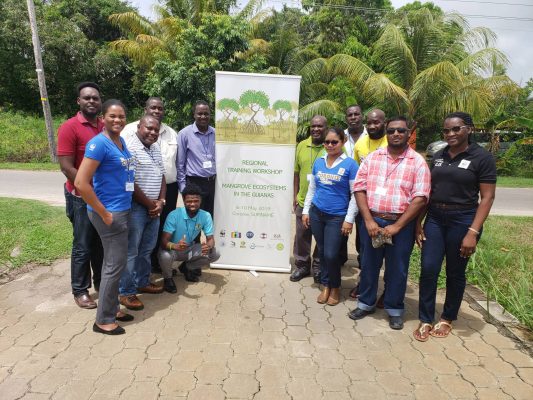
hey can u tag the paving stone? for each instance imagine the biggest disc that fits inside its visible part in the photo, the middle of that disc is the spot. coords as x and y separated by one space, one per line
217 352
245 345
394 383
297 333
492 394
272 376
366 390
35 396
273 324
113 382
4 373
177 383
324 341
478 376
12 389
499 341
243 364
304 389
273 339
79 390
211 373
383 362
269 393
517 358
327 358
240 386
317 327
51 347
141 391
456 386
359 370
440 364
301 367
480 348
140 340
207 392
332 379
526 374
128 359
152 370
298 348
30 367
516 388
498 367
433 392
14 354
51 380
295 319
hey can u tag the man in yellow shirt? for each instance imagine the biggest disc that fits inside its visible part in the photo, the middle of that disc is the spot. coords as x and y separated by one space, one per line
376 139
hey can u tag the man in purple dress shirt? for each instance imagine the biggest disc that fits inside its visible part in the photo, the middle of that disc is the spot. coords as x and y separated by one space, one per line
196 161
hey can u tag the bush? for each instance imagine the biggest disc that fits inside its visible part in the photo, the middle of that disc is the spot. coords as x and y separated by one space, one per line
518 160
23 138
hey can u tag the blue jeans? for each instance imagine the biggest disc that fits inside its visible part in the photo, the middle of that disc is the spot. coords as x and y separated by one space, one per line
396 268
142 237
444 230
87 249
326 229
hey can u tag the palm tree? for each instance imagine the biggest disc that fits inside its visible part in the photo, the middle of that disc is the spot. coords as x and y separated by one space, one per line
425 66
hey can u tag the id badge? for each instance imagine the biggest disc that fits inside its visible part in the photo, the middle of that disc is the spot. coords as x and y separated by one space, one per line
189 255
208 164
129 186
309 177
381 190
464 164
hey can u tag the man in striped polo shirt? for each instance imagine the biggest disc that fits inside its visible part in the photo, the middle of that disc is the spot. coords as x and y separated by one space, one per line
148 201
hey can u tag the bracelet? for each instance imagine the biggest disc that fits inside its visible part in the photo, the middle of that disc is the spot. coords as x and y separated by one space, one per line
169 246
473 230
162 201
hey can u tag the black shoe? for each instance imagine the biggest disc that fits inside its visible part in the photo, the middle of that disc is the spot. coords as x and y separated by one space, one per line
396 323
183 268
117 331
359 313
196 272
316 278
125 318
299 274
169 285
174 272
189 275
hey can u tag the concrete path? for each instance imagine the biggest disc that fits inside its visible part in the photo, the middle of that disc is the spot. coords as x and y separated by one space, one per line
236 336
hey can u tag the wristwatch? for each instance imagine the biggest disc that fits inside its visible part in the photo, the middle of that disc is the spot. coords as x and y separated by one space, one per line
163 201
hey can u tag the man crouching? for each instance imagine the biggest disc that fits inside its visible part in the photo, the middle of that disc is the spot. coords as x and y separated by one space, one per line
177 241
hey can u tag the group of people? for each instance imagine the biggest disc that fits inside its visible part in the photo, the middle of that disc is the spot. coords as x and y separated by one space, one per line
370 177
123 183
121 195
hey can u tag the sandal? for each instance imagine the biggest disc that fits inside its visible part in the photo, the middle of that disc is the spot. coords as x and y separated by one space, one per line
435 331
423 331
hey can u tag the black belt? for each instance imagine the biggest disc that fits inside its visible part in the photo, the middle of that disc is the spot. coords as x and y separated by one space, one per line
386 216
448 206
203 178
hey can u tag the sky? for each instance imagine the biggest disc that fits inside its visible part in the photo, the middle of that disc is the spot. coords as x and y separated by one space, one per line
511 20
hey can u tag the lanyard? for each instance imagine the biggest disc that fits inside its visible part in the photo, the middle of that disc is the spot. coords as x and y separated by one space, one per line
387 173
206 147
127 158
194 220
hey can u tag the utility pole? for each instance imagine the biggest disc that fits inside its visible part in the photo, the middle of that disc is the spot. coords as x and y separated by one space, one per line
42 82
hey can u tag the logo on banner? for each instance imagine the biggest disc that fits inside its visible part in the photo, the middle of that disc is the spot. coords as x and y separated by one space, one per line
276 236
232 243
249 234
236 235
263 236
280 246
222 233
222 243
252 246
243 244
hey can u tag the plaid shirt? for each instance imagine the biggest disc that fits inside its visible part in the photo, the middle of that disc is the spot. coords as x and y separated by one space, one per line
391 184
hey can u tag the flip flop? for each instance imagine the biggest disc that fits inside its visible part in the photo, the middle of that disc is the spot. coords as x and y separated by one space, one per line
422 332
437 326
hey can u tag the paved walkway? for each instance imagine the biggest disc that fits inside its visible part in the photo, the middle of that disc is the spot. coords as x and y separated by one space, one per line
236 336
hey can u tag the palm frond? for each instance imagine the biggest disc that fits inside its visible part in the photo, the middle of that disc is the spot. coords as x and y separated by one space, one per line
482 62
131 23
314 71
379 90
350 67
327 108
133 50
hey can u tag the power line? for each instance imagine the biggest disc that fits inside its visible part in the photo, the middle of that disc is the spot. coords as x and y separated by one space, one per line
491 2
384 10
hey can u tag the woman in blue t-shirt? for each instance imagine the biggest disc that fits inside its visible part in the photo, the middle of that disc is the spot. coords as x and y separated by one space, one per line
330 210
105 181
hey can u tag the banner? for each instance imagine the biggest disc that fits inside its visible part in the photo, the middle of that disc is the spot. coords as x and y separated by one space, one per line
255 119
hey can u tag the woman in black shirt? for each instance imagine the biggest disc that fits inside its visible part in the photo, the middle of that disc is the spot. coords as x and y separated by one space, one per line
461 174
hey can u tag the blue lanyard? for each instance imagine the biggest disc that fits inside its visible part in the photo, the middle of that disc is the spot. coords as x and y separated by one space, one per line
206 147
194 220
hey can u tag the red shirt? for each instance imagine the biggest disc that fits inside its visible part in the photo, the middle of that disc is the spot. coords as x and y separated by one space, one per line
72 137
391 184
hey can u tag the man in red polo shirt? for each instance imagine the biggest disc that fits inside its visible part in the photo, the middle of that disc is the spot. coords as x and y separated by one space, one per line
73 135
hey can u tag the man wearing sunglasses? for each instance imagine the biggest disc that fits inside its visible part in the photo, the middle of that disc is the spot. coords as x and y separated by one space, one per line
391 188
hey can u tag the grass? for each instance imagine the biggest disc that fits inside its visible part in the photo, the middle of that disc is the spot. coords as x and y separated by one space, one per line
23 137
30 166
501 266
32 232
514 182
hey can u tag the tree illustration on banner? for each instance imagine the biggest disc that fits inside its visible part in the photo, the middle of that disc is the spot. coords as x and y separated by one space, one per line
256 101
283 107
228 107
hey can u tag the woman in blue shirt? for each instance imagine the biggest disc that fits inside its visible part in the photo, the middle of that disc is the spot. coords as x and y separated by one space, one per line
330 210
105 181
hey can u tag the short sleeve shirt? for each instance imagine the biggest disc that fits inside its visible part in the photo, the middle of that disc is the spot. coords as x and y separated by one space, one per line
365 145
306 155
179 224
72 136
456 181
115 169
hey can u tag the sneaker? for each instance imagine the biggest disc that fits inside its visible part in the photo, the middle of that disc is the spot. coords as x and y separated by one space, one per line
131 302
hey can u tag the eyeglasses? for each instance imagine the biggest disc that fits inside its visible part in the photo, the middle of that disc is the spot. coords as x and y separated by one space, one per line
456 129
390 131
331 142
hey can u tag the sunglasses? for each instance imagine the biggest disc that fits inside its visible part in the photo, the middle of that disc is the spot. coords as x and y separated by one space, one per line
455 129
331 142
390 131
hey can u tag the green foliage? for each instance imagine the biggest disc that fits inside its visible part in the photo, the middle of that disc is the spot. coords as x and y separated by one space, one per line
23 138
282 107
518 160
71 35
41 233
228 107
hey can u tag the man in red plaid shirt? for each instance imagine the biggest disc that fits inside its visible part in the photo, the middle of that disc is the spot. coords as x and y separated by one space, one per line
391 188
